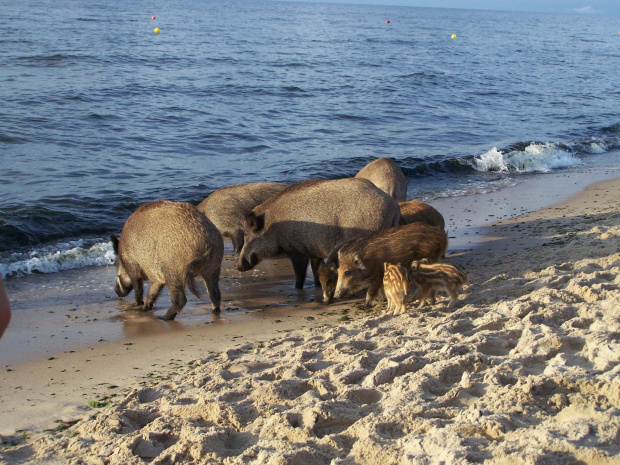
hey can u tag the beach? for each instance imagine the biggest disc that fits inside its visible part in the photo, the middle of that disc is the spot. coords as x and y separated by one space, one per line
523 370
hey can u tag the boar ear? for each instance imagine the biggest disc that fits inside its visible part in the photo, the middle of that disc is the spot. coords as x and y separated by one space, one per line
424 261
357 261
114 243
415 265
333 267
254 223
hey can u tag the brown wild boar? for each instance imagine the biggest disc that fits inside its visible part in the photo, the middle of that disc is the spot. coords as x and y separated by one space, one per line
416 211
168 243
387 176
436 277
360 261
228 206
396 287
307 220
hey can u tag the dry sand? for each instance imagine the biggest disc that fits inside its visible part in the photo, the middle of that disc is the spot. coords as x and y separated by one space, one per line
524 370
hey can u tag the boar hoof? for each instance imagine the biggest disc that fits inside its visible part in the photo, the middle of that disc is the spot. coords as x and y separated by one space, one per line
169 316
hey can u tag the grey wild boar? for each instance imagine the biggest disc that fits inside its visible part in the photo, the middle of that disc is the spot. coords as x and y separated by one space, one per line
396 287
360 261
387 176
228 206
307 220
416 211
168 243
436 277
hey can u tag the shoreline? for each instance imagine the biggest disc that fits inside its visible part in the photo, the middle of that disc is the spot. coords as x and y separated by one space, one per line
508 266
75 309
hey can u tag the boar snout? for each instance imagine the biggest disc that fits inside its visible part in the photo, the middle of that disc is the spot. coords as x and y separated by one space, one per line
341 291
247 263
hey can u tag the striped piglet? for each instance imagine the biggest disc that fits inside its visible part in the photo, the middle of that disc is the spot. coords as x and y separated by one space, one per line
435 277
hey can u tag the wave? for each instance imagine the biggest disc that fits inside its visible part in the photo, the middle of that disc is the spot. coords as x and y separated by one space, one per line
534 158
521 157
59 257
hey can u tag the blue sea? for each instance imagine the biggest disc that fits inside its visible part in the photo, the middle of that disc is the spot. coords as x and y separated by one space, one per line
100 114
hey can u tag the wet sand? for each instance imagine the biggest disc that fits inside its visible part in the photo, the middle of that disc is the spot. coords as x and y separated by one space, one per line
77 343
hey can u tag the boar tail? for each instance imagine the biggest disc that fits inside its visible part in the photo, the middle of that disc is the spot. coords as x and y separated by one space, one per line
190 272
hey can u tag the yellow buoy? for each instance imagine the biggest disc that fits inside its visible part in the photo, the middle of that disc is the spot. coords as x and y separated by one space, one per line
454 36
156 30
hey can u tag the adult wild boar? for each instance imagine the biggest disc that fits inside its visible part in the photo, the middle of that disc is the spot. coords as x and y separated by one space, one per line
228 206
361 261
168 243
416 211
387 176
309 219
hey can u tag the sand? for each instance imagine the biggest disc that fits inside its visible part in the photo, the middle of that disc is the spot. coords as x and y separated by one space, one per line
524 369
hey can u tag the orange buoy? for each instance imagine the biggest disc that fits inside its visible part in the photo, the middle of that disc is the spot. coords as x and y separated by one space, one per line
152 17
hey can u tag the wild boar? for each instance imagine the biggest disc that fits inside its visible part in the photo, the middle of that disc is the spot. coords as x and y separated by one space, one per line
396 287
168 243
437 277
387 176
307 220
228 206
360 261
416 211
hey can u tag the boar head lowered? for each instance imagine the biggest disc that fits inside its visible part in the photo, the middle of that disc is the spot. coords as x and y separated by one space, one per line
257 246
123 281
351 277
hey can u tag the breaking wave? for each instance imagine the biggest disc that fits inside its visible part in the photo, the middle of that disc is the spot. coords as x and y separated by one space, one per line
535 157
58 257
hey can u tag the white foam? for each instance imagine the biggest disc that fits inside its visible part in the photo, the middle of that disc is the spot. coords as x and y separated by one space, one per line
596 147
493 160
534 158
59 257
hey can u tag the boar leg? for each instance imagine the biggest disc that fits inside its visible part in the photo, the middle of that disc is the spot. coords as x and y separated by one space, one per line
177 295
454 295
432 295
237 242
373 290
300 265
212 283
424 295
388 307
138 289
152 294
314 264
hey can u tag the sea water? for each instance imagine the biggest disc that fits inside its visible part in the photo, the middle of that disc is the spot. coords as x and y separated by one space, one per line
100 114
